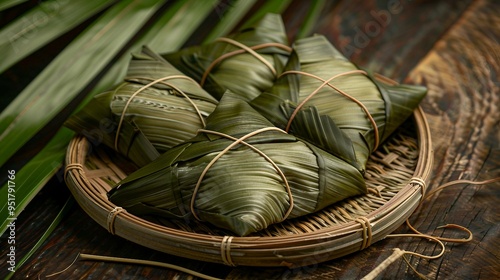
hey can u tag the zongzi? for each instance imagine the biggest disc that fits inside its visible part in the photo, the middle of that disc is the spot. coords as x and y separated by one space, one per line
239 173
324 98
155 101
246 62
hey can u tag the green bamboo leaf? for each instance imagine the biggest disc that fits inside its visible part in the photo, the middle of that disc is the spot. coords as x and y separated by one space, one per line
97 124
34 175
230 18
69 72
324 132
10 3
400 102
317 6
271 6
40 25
184 18
241 73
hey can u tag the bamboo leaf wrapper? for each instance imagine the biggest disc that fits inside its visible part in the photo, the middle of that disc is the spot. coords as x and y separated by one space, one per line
232 63
156 101
324 98
241 191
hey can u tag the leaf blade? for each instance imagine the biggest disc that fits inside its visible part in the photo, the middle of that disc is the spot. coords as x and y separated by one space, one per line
55 87
42 24
34 175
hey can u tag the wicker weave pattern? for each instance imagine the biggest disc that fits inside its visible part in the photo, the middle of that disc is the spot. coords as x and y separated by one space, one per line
395 175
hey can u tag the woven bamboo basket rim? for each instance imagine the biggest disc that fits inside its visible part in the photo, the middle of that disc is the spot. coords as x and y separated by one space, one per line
404 163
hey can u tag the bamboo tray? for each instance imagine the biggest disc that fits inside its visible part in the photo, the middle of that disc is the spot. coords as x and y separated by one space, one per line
396 176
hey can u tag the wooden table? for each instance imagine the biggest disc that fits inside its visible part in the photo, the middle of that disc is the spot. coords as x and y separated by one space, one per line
453 48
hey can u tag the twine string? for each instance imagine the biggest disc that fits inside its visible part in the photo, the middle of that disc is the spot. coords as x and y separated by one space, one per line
423 186
88 257
243 49
366 232
399 253
462 181
62 271
160 80
327 83
452 226
71 166
236 142
225 250
385 79
110 221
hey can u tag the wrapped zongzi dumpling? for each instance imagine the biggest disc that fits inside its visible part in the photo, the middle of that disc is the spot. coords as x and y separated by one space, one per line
156 101
324 98
242 185
246 62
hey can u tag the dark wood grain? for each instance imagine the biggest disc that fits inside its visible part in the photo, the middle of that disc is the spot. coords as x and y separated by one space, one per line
389 37
462 72
452 47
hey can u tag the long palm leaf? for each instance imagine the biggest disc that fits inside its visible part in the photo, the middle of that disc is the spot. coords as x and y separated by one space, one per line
230 19
34 175
10 3
40 25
